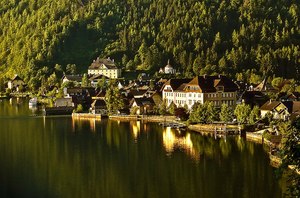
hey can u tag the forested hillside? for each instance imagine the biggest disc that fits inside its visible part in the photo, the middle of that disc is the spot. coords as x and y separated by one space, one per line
39 37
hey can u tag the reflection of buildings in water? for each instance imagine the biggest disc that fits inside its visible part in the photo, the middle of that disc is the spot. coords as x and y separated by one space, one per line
44 121
33 109
78 122
171 141
135 128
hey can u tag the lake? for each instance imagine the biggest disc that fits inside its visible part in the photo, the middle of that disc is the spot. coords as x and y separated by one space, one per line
61 157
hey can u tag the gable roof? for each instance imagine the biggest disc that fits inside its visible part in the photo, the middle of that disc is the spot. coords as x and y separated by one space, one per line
175 83
210 83
108 63
16 77
270 105
99 103
143 101
137 93
75 78
296 107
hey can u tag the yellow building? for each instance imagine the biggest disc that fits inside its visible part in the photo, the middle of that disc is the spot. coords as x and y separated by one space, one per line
106 67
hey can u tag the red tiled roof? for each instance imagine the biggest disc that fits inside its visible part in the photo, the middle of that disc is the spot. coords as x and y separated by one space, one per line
210 83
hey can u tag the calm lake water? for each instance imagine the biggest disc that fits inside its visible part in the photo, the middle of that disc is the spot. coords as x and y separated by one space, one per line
61 157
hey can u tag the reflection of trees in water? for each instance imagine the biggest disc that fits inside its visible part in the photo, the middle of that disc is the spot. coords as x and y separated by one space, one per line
111 163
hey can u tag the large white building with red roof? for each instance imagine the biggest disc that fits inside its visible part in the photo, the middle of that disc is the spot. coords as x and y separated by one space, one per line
216 89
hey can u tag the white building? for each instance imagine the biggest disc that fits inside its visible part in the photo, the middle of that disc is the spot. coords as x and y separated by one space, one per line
216 89
168 69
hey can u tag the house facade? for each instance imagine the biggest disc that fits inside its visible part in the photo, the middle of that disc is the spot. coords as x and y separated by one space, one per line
64 102
141 106
15 83
106 67
186 92
99 107
281 110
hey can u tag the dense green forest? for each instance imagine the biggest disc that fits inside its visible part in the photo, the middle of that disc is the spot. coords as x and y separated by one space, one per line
40 37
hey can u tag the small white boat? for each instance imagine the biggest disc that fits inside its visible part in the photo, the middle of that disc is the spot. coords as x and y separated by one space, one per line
33 102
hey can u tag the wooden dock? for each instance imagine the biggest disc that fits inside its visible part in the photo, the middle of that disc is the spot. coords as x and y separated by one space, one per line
216 129
173 125
86 116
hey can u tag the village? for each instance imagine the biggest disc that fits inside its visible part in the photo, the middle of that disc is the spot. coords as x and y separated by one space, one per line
104 91
146 95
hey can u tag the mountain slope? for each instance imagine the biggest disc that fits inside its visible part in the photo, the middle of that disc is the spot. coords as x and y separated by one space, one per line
199 37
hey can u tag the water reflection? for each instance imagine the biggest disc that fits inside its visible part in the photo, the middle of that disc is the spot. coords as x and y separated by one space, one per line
135 128
79 123
41 157
172 140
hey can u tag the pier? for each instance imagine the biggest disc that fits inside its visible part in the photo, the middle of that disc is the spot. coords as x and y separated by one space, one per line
217 129
84 116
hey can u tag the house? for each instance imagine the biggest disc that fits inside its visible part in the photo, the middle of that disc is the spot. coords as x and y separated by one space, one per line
253 98
281 110
106 67
216 89
99 107
15 83
81 95
63 102
136 93
142 106
168 69
295 96
72 78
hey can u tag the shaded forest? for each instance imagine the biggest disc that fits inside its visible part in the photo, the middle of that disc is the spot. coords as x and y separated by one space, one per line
42 37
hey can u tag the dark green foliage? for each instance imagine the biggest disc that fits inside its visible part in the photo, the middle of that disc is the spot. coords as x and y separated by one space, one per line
254 115
85 81
79 109
113 98
172 108
291 155
199 37
204 113
226 114
162 108
242 112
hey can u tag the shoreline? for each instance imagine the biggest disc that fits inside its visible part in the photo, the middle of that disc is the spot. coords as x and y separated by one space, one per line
147 118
